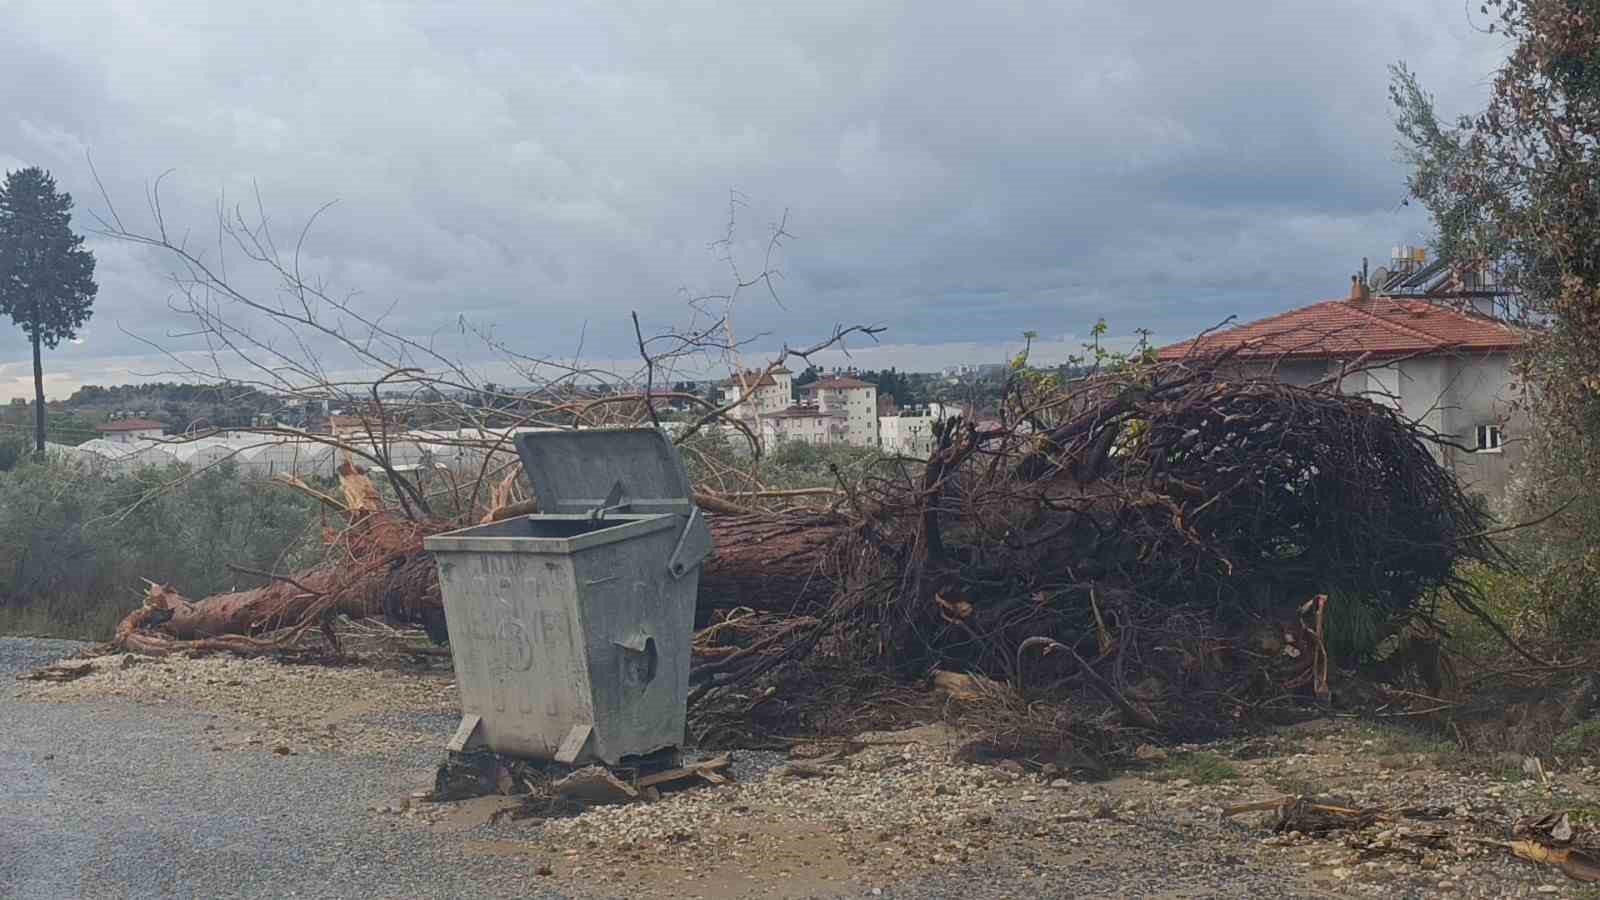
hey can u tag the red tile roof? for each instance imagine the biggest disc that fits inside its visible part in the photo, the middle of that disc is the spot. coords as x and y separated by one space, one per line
1382 326
804 412
753 380
129 425
837 383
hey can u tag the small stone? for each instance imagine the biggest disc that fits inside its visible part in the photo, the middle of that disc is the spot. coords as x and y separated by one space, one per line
1547 889
1010 767
1182 783
1150 753
1061 784
544 869
282 750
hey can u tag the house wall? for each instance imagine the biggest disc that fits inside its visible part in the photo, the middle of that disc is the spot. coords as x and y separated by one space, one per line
1451 394
781 392
1299 372
860 407
1483 391
912 435
906 435
763 400
803 429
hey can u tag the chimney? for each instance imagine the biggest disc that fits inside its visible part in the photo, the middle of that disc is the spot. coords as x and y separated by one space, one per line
1359 290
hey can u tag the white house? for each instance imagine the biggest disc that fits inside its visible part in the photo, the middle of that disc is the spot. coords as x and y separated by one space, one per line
128 431
910 433
1448 368
851 397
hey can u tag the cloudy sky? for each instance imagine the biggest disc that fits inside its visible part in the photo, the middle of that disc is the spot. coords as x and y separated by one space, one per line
957 172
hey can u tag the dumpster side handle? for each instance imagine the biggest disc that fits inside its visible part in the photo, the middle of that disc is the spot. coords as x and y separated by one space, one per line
694 545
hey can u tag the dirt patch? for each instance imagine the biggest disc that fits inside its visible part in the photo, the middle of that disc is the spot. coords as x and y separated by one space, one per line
905 804
267 705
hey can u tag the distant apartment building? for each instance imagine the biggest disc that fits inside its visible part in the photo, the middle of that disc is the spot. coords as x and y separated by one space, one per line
805 425
835 409
130 430
854 399
762 393
980 372
910 431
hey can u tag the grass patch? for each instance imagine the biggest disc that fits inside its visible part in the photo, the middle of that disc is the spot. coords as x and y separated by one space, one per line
1506 596
82 620
1584 738
1501 766
1199 767
1400 739
1584 813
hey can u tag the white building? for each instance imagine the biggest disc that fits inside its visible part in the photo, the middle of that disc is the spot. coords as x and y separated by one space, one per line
911 432
855 399
804 424
128 431
767 393
1449 369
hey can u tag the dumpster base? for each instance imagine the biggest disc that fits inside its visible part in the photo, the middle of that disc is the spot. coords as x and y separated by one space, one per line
469 773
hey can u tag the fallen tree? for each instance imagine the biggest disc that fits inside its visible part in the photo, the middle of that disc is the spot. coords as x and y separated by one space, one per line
1165 544
1163 547
376 566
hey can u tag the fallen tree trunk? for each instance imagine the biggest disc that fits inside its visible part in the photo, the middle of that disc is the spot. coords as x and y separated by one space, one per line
769 563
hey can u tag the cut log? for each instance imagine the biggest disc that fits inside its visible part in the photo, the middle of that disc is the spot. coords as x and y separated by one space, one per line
769 563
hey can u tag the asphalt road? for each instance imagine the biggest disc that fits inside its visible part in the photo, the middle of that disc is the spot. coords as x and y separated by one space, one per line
103 800
114 801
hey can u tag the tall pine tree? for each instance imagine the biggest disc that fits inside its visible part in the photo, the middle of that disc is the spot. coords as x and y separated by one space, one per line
46 276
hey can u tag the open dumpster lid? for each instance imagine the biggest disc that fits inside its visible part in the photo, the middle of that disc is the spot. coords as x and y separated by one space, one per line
579 471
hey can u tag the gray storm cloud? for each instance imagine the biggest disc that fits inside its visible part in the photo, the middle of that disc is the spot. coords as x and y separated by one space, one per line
957 172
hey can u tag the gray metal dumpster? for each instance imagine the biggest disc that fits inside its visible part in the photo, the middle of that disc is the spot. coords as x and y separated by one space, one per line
570 628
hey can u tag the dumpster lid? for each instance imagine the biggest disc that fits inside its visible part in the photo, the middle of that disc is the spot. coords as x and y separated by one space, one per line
579 471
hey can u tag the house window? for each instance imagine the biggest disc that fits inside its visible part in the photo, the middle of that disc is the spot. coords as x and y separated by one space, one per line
1490 439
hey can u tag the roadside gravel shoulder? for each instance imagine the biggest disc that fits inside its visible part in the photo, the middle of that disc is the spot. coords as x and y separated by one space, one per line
225 777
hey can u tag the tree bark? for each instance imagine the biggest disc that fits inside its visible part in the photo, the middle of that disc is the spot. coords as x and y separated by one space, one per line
772 563
38 382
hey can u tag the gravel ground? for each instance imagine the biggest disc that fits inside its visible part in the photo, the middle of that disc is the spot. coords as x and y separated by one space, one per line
225 778
121 800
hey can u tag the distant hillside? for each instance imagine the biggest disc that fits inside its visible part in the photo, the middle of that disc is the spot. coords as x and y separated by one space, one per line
178 407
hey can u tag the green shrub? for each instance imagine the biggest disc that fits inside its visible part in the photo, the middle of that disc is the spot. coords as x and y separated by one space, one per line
1200 767
76 548
797 465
